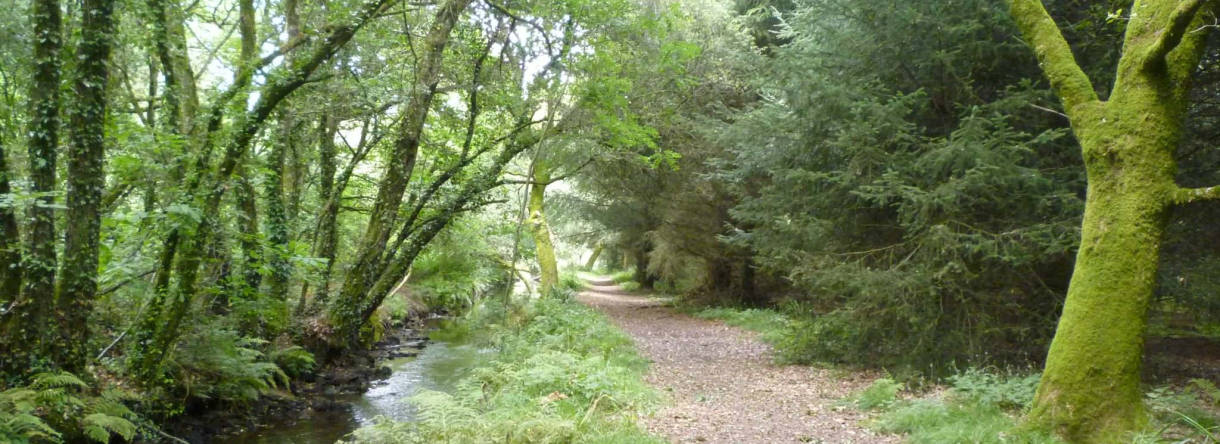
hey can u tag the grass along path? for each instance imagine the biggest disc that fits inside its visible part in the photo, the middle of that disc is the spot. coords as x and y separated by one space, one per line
723 385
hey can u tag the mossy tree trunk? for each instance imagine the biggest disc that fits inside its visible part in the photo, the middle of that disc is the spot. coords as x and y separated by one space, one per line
278 213
28 314
544 246
169 37
325 234
247 219
247 198
86 183
1089 390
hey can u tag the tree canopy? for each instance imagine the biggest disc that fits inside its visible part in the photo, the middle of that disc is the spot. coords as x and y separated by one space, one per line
201 200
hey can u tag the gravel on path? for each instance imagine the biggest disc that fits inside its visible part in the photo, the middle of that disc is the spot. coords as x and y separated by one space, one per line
722 383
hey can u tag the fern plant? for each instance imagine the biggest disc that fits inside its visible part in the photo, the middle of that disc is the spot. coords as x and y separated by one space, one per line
27 414
219 363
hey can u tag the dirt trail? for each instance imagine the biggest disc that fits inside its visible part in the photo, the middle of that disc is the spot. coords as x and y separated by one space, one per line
723 385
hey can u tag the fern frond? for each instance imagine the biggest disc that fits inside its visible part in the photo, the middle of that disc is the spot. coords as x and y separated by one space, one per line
57 380
99 426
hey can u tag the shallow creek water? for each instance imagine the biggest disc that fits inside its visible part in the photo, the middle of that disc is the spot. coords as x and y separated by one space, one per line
438 367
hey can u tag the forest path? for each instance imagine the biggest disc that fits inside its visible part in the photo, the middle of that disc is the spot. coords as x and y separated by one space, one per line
722 383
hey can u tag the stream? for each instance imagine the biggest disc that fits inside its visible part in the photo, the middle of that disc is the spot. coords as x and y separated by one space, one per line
438 367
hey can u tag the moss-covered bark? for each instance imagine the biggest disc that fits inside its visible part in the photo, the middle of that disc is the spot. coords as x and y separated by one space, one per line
1089 390
544 247
86 183
21 334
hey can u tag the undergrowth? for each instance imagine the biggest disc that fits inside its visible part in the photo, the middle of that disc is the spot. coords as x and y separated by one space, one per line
59 407
561 374
986 407
979 407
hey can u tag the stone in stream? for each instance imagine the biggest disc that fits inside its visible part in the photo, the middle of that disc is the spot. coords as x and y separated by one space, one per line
403 354
416 343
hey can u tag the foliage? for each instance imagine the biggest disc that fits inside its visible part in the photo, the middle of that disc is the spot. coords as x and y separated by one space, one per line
930 421
982 406
56 407
563 374
294 360
881 393
459 267
622 276
571 280
1187 412
978 408
1011 392
218 363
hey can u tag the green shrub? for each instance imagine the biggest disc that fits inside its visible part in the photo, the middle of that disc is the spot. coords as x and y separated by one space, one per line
561 374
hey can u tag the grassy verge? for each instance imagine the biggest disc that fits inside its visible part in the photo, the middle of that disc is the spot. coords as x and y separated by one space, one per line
561 374
979 407
772 326
983 407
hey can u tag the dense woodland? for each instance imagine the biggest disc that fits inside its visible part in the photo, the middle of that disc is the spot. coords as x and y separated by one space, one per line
203 202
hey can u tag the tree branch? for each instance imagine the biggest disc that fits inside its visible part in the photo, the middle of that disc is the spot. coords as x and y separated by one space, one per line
1171 37
1183 196
1071 84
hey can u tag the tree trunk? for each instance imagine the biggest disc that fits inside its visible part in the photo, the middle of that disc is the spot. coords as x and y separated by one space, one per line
544 247
169 37
642 276
400 263
720 275
284 80
277 212
345 312
1089 391
325 233
277 218
10 239
251 248
86 182
28 317
1090 388
597 252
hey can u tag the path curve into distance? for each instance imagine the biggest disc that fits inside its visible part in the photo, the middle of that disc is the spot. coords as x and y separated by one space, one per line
722 384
